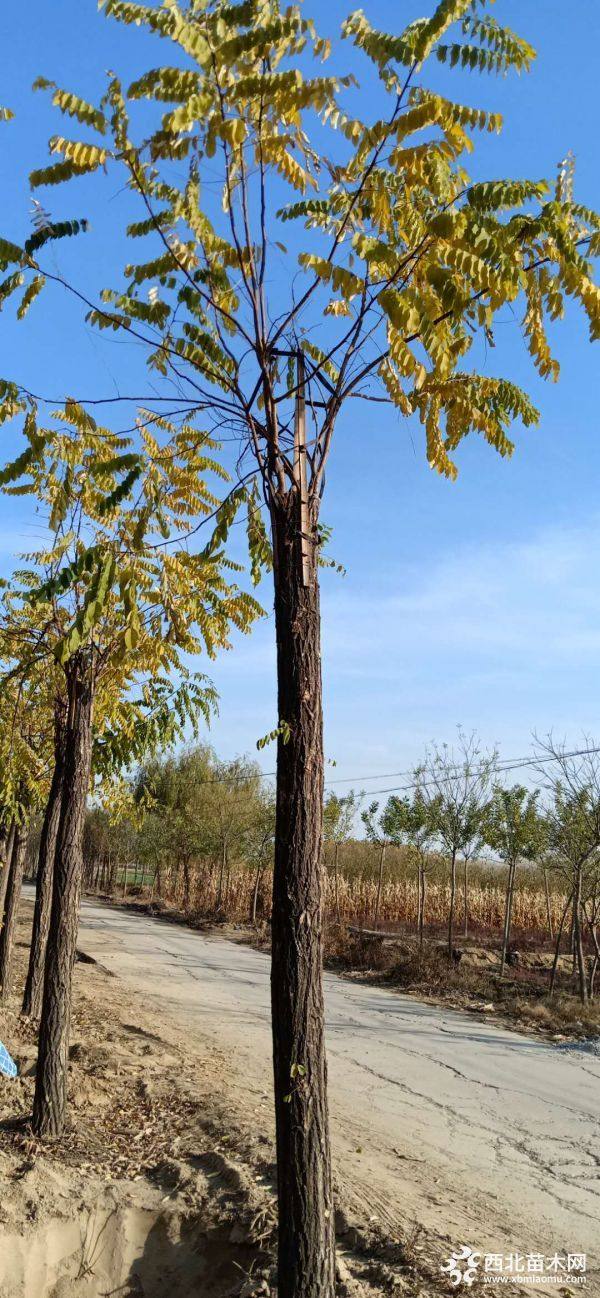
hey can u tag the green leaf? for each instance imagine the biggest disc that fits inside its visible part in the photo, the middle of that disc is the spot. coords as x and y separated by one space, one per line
55 230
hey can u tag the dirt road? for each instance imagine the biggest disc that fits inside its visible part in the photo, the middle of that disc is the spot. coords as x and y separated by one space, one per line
480 1135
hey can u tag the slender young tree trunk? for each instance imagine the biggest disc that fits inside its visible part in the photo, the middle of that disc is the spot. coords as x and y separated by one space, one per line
466 896
6 863
422 885
50 1101
572 947
557 946
11 909
548 908
336 880
255 891
452 902
379 884
34 984
510 885
593 972
578 939
221 876
227 885
306 1222
4 833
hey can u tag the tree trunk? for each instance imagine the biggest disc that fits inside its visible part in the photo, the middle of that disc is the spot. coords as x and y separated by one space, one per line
306 1256
510 885
227 886
466 896
186 884
578 939
11 909
50 1102
548 908
255 891
572 947
336 880
7 852
452 903
4 834
557 945
593 972
379 884
422 884
219 901
34 984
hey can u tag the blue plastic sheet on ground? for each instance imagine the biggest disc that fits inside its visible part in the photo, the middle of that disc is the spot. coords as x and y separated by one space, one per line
7 1065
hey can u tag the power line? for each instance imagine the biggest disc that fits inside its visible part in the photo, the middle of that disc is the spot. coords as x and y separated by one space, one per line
510 764
514 764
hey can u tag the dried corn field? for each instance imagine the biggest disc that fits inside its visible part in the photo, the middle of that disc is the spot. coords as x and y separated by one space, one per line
207 889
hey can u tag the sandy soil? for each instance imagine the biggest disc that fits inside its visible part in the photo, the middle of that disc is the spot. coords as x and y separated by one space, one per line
163 1183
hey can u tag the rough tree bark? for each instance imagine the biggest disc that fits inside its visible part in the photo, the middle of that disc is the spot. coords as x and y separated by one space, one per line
50 1101
306 1224
11 908
34 983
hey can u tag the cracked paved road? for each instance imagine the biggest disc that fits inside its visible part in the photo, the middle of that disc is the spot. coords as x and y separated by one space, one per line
471 1131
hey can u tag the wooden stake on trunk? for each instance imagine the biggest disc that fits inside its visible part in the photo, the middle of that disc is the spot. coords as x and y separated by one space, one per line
306 547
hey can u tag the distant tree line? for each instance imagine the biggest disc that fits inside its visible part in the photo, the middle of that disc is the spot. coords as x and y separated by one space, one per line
199 831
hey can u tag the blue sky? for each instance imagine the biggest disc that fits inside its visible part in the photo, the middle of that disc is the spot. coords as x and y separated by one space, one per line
476 602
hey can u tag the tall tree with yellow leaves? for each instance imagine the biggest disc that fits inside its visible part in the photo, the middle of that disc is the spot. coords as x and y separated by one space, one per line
117 612
398 263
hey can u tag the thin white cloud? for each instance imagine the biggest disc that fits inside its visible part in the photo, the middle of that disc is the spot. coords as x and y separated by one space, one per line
540 598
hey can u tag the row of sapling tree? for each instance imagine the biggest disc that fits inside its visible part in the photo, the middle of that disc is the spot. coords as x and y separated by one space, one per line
339 818
395 269
444 811
200 831
103 617
573 840
457 809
